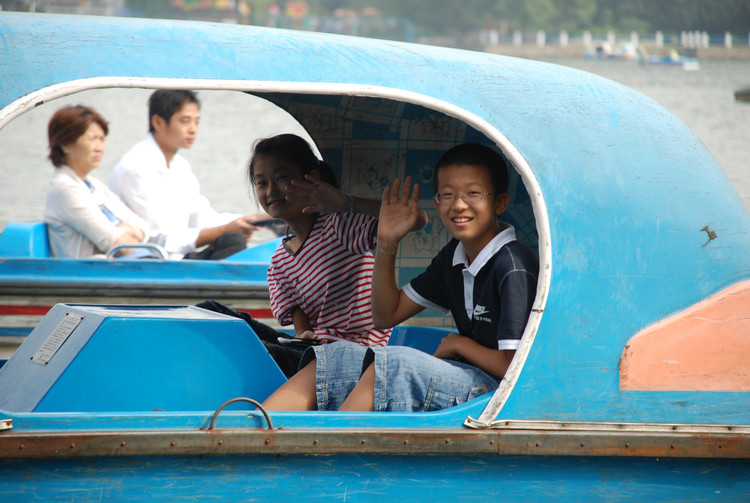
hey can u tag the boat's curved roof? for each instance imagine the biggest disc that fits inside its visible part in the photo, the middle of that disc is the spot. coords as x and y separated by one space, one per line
635 219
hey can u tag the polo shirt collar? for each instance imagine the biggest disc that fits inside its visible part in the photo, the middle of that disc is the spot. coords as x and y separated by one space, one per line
503 238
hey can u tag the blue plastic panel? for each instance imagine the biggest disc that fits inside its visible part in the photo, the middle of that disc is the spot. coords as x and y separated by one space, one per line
128 358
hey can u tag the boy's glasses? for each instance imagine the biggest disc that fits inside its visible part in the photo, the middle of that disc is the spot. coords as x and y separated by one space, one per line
471 197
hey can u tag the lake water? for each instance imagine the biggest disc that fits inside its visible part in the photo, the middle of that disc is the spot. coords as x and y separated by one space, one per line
230 123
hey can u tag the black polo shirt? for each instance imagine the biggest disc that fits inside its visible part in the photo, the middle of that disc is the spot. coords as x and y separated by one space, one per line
491 299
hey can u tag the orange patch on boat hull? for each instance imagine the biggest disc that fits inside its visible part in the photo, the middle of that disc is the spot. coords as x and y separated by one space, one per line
704 348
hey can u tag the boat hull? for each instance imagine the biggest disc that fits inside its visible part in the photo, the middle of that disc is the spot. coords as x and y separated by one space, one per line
364 477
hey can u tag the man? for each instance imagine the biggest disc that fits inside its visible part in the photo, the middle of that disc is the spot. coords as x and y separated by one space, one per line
158 184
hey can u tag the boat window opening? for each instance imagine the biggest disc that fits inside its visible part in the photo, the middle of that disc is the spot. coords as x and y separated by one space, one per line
369 141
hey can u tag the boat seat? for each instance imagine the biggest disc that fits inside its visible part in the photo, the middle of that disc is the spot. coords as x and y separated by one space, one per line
261 253
425 339
25 239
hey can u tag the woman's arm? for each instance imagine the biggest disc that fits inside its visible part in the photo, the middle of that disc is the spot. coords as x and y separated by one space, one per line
130 235
73 203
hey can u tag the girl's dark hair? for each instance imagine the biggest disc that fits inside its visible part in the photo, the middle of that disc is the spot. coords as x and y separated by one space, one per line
294 150
474 154
167 102
67 125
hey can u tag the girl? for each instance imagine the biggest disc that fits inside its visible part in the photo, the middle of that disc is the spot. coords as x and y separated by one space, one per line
320 277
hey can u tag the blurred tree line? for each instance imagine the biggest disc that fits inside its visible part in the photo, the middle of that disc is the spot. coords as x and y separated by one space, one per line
713 16
460 16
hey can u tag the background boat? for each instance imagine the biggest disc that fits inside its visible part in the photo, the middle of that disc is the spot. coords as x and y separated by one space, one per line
32 281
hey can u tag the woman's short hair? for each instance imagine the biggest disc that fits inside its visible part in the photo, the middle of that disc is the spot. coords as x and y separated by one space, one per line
67 125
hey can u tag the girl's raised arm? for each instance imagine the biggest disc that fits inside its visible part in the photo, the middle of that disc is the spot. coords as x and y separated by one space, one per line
323 197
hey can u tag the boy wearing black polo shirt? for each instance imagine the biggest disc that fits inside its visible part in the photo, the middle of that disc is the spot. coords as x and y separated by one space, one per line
483 277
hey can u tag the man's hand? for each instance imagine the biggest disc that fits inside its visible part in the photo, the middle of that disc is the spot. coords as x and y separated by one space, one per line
242 225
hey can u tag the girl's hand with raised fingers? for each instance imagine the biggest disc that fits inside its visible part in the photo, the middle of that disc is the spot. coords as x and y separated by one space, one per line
320 197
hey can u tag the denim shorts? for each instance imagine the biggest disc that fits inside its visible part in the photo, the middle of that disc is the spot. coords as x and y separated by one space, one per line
406 379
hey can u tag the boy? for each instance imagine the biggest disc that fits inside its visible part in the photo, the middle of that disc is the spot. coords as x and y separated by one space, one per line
484 277
158 184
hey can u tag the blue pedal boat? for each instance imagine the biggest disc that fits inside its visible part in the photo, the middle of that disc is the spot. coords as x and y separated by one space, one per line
28 269
32 281
631 381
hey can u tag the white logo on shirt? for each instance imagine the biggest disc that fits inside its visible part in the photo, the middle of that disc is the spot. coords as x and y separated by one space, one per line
479 311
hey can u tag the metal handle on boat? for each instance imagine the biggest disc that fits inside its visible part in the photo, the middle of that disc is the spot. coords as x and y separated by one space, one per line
160 252
241 399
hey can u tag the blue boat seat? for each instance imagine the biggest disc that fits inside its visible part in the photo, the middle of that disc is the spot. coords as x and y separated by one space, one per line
425 339
25 239
30 240
261 253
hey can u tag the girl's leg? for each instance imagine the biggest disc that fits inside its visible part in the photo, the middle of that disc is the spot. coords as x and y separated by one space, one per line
363 395
298 393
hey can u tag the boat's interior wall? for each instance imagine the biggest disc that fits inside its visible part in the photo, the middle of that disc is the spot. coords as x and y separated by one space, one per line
371 141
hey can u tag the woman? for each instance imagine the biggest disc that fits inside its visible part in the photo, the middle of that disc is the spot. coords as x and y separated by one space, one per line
83 216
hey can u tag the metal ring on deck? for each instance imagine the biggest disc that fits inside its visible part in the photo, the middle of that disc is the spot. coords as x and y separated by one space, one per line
241 399
161 253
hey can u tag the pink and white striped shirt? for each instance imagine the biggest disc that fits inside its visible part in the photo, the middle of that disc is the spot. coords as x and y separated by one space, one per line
330 279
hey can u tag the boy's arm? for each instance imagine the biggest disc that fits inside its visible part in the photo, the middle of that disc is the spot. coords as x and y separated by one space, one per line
398 215
517 291
492 361
390 306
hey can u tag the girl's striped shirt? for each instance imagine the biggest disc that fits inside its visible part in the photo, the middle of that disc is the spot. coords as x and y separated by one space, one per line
329 278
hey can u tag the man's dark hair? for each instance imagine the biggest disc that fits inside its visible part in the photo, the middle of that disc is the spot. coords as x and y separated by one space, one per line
167 102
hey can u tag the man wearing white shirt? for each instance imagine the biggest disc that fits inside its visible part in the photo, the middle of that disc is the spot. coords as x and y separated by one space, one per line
158 184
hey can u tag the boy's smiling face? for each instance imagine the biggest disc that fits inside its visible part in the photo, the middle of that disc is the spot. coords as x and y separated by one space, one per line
474 224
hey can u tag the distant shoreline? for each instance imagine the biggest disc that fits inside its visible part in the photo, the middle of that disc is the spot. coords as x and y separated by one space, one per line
577 50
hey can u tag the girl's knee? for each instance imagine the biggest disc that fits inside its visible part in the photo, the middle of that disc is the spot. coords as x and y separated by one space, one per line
298 393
